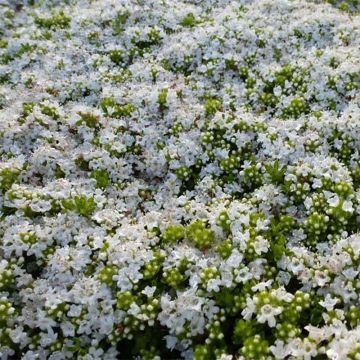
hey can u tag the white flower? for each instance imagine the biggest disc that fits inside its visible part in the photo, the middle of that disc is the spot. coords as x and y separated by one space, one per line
18 335
277 90
318 334
279 350
329 302
308 202
44 322
249 309
149 291
48 338
107 322
268 313
261 245
134 309
243 275
214 285
67 329
170 341
235 259
226 357
321 278
261 286
348 206
304 349
333 201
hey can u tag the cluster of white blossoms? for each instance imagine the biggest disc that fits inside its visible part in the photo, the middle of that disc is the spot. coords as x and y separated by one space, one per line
179 179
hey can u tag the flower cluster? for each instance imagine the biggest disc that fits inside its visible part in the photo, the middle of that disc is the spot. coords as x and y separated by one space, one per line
179 179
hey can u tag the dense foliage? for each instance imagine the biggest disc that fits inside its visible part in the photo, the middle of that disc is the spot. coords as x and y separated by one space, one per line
179 179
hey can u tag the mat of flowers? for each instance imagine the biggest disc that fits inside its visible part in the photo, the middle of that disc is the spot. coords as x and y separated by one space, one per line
179 179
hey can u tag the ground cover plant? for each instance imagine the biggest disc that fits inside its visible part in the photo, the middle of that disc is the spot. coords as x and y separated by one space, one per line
179 179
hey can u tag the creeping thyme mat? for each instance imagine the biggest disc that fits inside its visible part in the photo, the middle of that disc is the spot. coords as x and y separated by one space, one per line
179 179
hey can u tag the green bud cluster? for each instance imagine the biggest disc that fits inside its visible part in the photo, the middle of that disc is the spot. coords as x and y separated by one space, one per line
153 267
215 329
116 56
269 272
225 248
250 252
208 274
5 339
301 302
111 108
214 137
57 21
132 324
296 107
125 330
57 345
162 99
76 320
189 20
6 309
107 273
224 221
176 129
354 354
231 163
255 347
28 237
153 37
58 311
8 176
312 145
101 177
319 203
243 330
81 204
173 234
35 341
150 311
212 106
316 223
289 80
298 190
343 189
125 299
286 330
346 149
253 176
202 237
88 119
173 277
202 352
7 279
183 173
150 354
353 316
49 111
